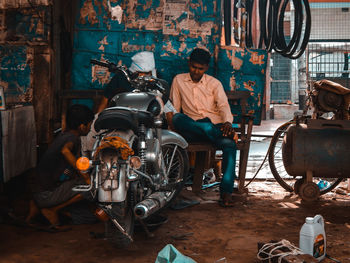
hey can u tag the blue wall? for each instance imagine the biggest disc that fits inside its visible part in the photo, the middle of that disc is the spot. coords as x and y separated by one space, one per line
242 69
15 72
23 28
156 25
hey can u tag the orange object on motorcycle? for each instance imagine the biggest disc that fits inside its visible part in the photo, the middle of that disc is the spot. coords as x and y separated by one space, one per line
83 163
101 215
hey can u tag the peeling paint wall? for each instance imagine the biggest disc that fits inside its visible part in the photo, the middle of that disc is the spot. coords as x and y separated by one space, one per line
15 74
20 31
171 29
243 69
21 3
115 30
24 40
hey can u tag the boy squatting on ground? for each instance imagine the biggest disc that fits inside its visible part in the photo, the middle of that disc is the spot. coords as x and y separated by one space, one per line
56 173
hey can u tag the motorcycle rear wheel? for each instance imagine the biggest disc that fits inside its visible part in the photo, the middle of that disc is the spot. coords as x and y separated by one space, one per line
126 220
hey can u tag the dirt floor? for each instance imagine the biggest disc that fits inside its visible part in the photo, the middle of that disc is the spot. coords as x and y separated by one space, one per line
205 232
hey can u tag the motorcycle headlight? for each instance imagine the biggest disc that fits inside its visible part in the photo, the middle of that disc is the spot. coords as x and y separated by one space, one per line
135 162
154 107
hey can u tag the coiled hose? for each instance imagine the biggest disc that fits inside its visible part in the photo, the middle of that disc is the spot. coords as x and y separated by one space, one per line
271 17
272 13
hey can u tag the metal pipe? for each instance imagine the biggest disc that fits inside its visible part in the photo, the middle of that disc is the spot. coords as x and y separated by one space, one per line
150 205
143 174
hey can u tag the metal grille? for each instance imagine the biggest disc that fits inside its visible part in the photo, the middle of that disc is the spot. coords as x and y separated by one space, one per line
330 21
282 70
329 61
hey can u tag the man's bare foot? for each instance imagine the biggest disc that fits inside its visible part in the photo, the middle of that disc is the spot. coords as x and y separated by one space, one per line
33 211
226 200
50 215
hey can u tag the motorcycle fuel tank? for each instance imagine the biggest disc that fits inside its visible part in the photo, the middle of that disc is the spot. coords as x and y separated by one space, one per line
319 146
135 100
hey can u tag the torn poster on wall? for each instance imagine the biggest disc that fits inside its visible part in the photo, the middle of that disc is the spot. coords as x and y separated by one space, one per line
116 12
179 18
175 16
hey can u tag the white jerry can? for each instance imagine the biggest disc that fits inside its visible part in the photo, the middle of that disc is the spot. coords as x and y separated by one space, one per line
312 238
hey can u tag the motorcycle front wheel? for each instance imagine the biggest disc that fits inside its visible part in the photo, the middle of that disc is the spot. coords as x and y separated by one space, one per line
176 165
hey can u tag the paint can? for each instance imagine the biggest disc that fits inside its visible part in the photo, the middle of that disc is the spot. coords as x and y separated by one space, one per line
312 238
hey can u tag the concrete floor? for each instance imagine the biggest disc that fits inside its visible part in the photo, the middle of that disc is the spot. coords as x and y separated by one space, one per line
259 147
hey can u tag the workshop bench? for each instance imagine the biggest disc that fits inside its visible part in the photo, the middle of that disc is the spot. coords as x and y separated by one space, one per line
205 152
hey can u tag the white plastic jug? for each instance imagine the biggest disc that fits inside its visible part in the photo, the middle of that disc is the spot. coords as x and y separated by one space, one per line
312 238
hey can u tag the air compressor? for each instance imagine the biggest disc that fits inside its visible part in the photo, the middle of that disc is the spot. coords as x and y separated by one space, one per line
316 148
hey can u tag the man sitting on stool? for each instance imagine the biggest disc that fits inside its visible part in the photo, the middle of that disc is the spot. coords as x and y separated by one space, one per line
206 115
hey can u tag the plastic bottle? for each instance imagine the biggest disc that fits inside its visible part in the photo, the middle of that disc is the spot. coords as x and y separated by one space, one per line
323 184
312 238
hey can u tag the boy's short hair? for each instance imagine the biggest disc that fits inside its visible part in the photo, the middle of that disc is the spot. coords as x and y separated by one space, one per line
78 114
201 56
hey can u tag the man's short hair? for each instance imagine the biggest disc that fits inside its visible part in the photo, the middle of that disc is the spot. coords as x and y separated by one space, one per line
78 114
201 56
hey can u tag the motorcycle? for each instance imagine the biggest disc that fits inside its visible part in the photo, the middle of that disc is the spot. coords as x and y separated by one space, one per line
137 168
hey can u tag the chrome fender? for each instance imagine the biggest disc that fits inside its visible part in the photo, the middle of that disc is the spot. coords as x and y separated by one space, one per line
170 137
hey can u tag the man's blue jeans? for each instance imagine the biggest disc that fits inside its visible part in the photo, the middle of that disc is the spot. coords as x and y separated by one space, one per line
205 130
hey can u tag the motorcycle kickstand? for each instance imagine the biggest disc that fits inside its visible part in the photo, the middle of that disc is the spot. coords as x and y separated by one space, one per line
144 226
115 222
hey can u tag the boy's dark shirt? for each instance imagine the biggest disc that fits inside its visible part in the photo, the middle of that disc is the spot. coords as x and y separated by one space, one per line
118 84
53 163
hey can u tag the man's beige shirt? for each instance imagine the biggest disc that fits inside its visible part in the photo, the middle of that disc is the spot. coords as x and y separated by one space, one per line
206 98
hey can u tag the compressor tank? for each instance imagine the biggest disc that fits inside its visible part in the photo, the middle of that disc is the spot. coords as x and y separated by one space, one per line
319 146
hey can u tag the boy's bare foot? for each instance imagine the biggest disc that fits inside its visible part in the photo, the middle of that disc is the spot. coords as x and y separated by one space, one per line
33 211
50 215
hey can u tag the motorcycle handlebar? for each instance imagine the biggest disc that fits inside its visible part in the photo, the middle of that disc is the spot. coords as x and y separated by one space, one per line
114 68
111 67
100 63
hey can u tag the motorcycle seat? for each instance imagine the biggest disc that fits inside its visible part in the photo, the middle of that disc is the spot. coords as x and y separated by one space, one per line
120 119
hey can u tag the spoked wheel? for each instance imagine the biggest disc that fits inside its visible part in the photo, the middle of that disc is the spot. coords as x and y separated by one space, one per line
277 167
176 165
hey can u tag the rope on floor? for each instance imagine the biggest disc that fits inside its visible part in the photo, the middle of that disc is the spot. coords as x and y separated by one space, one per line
266 251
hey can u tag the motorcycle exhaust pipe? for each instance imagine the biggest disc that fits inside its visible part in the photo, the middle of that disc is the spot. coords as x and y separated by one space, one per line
150 205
